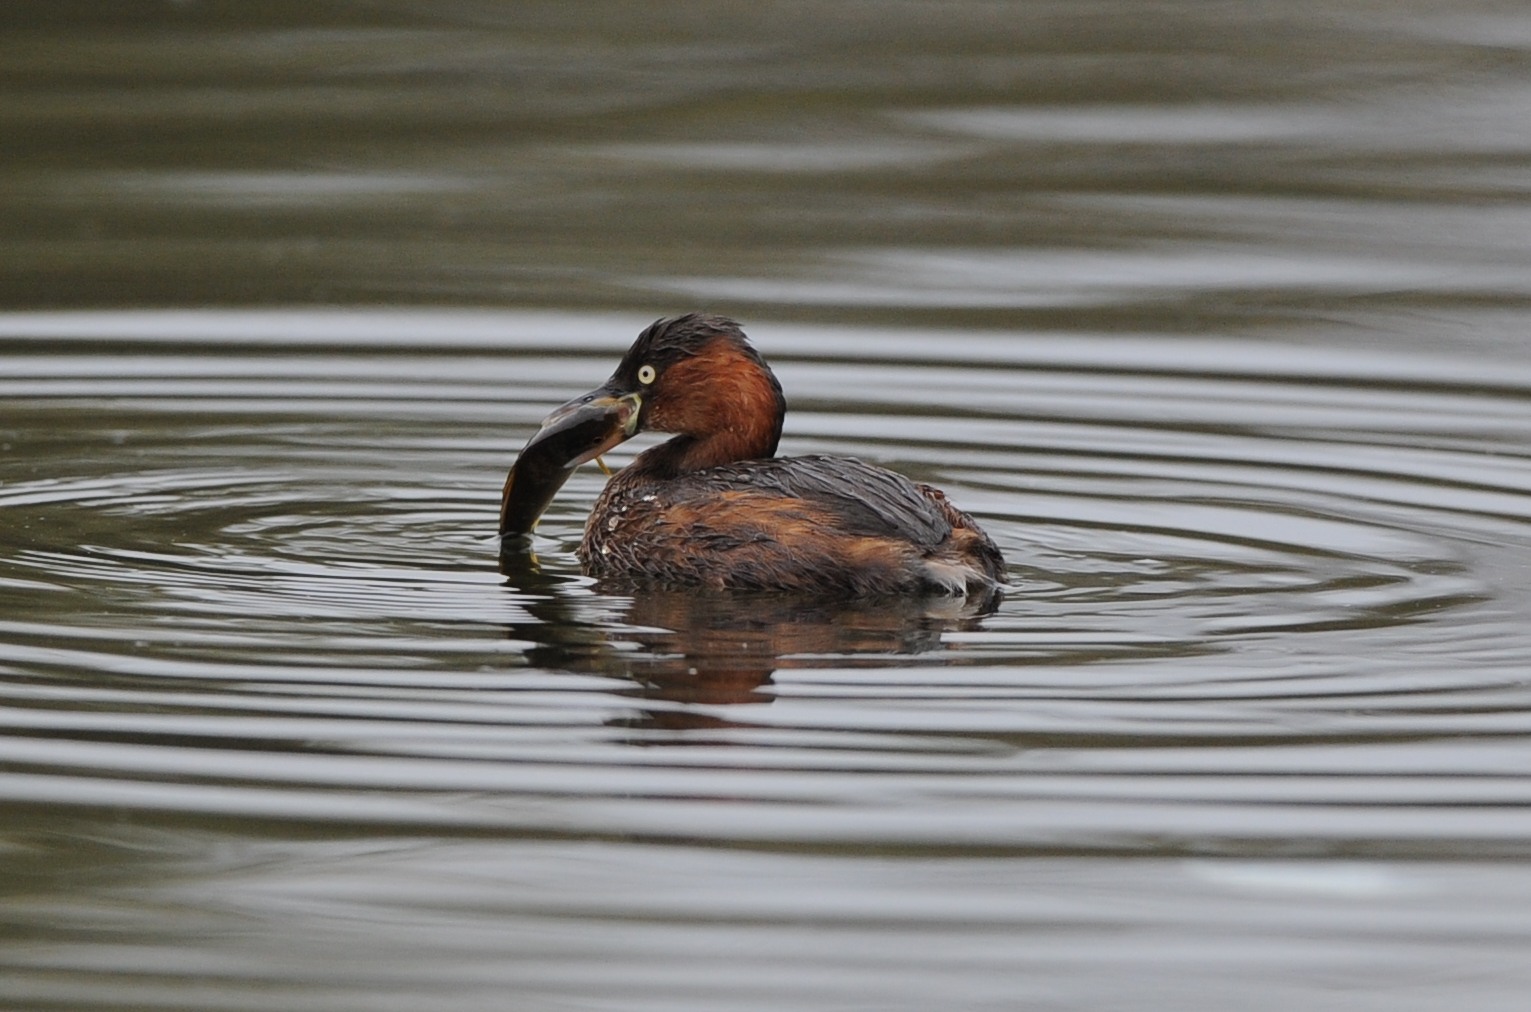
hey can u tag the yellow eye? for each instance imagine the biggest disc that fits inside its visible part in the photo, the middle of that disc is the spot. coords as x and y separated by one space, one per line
646 374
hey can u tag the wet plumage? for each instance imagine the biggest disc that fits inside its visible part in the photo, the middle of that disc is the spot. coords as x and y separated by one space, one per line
713 507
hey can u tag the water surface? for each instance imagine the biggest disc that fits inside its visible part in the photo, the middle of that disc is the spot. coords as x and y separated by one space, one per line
1214 317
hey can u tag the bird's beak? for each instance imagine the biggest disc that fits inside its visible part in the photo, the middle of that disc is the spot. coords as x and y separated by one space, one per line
578 432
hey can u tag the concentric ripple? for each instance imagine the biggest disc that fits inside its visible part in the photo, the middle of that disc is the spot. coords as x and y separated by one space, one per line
256 577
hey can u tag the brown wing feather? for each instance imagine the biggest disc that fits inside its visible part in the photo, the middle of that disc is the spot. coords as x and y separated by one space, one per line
801 523
861 499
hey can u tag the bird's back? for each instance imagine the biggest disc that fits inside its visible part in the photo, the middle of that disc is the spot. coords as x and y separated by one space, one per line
815 524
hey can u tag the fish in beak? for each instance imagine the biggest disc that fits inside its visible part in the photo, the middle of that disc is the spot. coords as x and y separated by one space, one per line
576 433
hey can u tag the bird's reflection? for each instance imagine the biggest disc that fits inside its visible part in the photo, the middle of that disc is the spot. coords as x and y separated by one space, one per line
702 647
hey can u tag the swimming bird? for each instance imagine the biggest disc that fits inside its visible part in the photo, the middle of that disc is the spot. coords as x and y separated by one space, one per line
714 507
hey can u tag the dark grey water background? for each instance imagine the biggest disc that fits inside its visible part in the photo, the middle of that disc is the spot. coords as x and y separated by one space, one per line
1216 314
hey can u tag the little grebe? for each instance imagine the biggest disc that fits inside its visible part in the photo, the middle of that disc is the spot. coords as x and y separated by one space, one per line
714 508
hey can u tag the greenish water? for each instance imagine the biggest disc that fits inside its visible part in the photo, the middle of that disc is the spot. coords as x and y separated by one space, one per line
1214 314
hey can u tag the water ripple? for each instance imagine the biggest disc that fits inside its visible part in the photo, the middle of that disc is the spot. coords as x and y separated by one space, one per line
263 584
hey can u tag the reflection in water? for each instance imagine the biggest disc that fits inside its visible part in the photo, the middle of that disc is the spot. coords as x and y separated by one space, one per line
706 647
1216 314
1266 606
